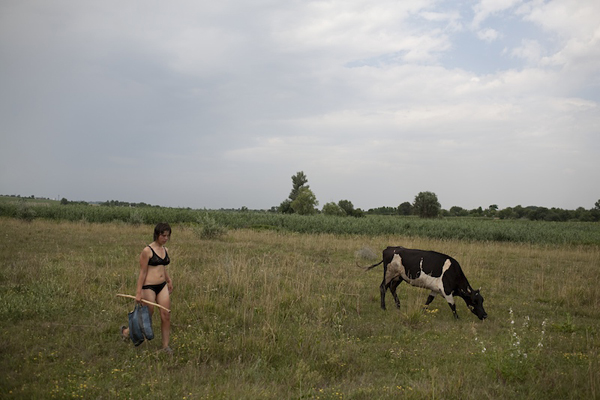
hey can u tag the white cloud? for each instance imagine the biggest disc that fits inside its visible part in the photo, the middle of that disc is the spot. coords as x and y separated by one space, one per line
486 8
530 51
223 102
576 27
488 35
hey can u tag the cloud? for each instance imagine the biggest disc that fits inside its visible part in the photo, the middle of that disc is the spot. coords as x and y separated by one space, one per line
488 35
530 50
487 8
219 104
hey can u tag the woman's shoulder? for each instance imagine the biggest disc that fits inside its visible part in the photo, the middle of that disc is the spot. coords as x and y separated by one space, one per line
147 251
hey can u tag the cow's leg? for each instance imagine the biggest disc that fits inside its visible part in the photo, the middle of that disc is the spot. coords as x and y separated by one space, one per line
450 300
453 308
429 300
393 285
382 289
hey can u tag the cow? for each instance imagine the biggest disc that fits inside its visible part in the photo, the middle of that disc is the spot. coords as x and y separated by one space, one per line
431 270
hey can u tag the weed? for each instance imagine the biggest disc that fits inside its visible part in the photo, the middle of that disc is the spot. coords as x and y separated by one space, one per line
209 228
25 211
512 358
136 218
568 326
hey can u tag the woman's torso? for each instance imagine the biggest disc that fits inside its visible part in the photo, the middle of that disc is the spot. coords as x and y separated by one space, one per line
158 259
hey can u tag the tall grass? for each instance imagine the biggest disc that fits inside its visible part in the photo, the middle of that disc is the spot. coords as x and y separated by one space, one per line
455 228
274 314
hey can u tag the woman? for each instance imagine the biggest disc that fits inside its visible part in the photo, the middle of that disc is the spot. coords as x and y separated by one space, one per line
154 283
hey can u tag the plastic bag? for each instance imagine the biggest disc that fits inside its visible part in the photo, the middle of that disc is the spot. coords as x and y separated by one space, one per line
140 324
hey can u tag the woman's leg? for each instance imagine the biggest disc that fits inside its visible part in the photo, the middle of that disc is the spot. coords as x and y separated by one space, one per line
164 300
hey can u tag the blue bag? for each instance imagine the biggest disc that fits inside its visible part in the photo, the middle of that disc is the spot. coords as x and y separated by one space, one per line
140 325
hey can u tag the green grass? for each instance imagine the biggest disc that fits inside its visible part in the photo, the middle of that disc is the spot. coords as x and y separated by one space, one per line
453 228
273 314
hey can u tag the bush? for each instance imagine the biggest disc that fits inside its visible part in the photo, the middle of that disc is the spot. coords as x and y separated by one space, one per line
333 209
209 228
135 218
25 212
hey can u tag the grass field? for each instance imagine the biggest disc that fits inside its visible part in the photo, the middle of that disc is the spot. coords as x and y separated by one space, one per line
452 228
280 315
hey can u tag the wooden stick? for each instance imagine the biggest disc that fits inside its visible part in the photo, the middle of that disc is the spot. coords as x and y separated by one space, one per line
144 300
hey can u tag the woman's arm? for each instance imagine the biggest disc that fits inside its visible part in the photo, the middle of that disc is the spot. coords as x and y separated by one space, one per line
144 257
167 277
169 282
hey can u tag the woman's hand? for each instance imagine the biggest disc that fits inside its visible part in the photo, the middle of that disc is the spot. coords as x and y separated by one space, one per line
170 286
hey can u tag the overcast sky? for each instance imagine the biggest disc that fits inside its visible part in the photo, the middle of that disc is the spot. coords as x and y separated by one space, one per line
218 104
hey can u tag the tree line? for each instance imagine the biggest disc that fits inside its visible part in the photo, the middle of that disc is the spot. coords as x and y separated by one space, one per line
303 201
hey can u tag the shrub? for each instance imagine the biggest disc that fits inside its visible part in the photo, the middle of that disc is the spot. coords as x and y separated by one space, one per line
25 212
209 228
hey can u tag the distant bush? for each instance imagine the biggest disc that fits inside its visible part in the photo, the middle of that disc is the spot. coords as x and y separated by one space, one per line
208 228
25 211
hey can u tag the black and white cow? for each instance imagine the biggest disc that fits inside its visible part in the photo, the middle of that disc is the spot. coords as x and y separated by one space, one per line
430 270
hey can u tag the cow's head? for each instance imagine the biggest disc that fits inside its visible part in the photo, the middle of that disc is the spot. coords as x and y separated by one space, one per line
474 301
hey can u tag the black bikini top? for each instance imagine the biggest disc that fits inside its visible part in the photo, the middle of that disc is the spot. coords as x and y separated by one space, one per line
156 260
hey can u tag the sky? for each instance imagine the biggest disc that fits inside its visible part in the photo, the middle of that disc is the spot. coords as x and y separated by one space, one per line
218 104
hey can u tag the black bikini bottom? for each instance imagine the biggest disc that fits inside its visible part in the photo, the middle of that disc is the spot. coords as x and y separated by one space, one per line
156 288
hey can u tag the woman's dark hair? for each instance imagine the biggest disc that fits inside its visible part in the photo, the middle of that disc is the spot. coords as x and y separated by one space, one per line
160 228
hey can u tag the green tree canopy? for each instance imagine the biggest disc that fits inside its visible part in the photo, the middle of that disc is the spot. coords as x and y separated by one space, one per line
426 205
305 202
333 209
286 207
457 211
299 181
405 208
347 206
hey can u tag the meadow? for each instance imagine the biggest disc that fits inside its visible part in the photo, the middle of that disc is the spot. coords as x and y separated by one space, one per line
263 313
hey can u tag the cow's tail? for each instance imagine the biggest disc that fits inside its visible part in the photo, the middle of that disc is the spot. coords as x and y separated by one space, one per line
369 267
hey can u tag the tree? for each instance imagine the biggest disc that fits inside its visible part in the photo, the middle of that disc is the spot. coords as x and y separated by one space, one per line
298 184
507 213
358 213
333 209
478 212
457 211
286 207
347 206
305 202
491 211
597 205
383 211
519 211
299 181
426 205
405 208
